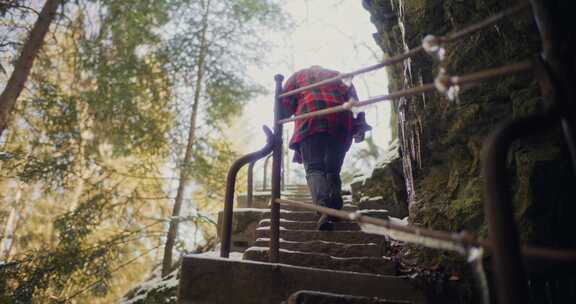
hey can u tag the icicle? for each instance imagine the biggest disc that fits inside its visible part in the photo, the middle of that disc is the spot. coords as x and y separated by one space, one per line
423 95
405 131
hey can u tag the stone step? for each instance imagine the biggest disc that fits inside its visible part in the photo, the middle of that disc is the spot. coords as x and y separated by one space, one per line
346 237
305 199
214 280
316 297
296 192
309 225
292 208
329 248
299 192
313 216
398 210
373 265
307 196
294 215
296 186
347 207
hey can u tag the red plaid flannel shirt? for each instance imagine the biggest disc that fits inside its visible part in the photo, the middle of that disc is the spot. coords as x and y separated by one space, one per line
338 124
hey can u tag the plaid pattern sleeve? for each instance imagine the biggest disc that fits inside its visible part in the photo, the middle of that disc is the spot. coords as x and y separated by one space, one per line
330 95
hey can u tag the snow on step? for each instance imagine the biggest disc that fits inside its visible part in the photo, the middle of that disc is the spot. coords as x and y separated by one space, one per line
308 296
374 265
347 207
313 216
309 225
295 215
330 248
347 237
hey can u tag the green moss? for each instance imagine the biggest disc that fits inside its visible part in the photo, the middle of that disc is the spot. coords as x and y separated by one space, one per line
465 212
448 184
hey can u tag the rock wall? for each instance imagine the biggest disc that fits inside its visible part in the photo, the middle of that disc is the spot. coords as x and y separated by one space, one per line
441 140
384 188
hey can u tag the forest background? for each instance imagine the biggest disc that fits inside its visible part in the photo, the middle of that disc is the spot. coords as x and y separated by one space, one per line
118 125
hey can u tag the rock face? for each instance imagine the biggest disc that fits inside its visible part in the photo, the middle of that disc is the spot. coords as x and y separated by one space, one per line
385 188
441 140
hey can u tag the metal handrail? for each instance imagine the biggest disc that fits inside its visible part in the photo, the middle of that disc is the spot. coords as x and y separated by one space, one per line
556 79
560 79
277 157
459 242
447 82
510 275
414 51
250 184
277 150
265 173
231 184
442 240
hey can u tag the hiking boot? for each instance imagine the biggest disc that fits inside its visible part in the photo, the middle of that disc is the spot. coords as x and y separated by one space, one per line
325 223
335 194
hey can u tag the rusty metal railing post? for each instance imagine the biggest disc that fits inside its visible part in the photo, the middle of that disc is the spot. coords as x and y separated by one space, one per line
250 184
557 53
509 273
231 184
511 285
276 175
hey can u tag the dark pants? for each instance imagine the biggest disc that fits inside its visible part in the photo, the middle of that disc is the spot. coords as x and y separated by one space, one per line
323 156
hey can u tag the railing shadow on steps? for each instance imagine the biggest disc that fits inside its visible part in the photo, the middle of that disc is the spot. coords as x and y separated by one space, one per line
231 184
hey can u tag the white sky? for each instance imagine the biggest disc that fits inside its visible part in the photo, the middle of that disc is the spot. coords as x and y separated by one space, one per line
336 34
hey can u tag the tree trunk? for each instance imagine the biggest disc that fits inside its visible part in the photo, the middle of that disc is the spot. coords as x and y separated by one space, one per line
185 170
7 237
24 63
15 220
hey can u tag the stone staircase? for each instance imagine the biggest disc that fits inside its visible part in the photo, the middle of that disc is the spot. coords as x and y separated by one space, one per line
346 248
341 266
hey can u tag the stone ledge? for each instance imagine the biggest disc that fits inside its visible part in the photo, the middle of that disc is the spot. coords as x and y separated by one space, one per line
315 297
215 280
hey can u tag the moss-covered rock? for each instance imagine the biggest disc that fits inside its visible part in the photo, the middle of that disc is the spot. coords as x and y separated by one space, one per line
155 290
385 188
441 140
